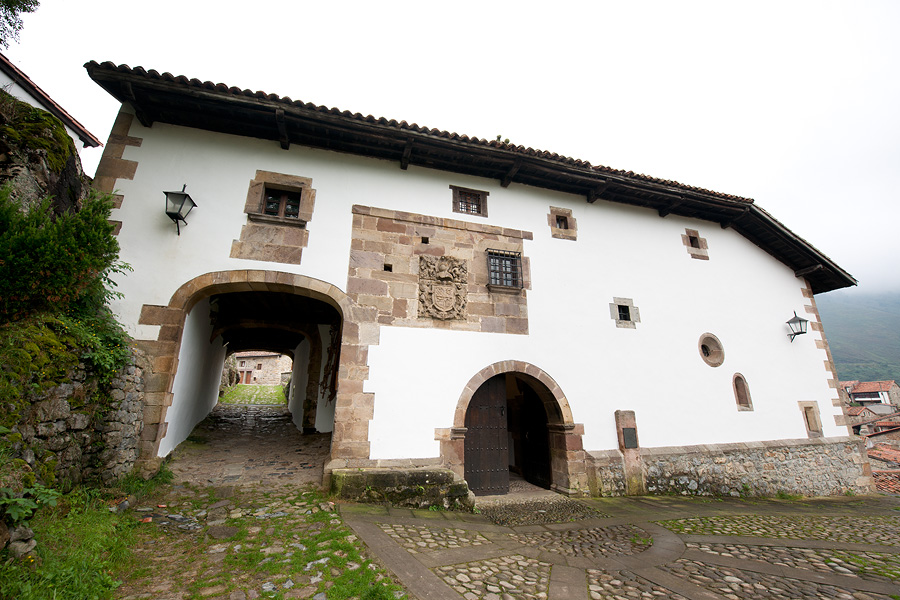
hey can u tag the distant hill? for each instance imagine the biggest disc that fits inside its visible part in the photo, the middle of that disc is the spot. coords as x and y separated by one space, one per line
864 333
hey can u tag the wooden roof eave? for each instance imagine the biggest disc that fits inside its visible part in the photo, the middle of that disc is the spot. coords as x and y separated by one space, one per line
288 122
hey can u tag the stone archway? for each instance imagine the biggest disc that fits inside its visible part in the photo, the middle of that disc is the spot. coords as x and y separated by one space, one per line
353 409
567 456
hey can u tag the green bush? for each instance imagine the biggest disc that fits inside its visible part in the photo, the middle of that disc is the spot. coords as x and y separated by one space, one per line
48 264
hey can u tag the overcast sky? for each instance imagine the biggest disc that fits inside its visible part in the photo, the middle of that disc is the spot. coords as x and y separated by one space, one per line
794 104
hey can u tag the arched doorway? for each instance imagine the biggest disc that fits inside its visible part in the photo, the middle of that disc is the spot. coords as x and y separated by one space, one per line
567 472
164 352
506 432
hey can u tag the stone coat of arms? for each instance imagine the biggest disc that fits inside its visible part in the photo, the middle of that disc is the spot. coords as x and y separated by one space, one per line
443 287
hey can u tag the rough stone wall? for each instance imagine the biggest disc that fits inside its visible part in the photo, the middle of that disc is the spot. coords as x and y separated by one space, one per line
64 432
813 467
606 473
416 488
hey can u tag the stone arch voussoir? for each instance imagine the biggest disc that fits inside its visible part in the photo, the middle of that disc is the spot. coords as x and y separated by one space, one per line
568 467
164 350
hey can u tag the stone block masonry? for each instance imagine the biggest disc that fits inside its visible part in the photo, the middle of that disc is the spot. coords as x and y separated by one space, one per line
416 488
66 433
385 271
805 467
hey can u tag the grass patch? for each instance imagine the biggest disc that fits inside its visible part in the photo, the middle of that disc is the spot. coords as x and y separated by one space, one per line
80 544
244 393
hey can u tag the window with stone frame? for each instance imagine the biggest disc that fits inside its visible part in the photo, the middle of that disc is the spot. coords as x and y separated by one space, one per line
562 224
696 246
505 269
811 418
278 208
624 313
741 393
259 366
469 202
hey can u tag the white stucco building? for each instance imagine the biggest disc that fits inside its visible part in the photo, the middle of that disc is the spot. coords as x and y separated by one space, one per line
16 83
454 302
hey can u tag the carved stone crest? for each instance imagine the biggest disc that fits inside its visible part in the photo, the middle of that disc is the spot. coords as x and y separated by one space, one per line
443 287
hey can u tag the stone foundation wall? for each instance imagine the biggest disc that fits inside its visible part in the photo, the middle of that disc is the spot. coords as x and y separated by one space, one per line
417 488
808 467
66 433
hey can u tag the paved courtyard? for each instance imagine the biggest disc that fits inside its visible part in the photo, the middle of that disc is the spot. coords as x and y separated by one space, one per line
844 548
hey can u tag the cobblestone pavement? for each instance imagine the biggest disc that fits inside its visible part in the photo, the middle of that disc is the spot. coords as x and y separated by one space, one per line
646 548
241 522
246 445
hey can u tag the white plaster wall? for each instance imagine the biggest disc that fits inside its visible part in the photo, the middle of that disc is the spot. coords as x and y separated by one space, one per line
299 379
325 406
742 295
17 91
196 387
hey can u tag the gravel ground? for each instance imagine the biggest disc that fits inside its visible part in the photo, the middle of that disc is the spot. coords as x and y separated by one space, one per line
534 511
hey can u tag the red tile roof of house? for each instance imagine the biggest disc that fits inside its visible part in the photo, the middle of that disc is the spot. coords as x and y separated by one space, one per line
864 387
855 411
14 73
885 452
894 424
887 482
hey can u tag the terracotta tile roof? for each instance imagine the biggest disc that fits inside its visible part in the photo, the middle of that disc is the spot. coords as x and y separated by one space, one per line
885 452
887 482
236 91
864 387
855 411
50 105
892 424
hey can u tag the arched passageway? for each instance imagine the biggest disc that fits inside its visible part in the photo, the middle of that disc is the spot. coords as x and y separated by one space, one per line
306 329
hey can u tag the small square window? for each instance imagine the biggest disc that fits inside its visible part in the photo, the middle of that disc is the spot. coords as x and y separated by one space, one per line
243 363
504 269
282 204
624 312
259 366
388 268
695 241
562 222
469 202
425 240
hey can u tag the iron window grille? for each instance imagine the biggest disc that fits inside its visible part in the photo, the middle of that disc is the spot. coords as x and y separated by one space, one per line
505 269
469 202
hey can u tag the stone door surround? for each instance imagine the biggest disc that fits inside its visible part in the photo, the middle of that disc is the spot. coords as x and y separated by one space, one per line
567 456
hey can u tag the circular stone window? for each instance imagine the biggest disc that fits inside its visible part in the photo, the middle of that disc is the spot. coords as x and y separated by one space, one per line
711 350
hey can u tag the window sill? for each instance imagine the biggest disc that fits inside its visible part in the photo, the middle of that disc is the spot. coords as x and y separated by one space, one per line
504 289
274 220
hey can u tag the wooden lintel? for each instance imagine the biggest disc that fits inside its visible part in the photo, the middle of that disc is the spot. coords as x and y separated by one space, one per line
507 179
282 129
672 206
597 192
407 151
727 224
808 270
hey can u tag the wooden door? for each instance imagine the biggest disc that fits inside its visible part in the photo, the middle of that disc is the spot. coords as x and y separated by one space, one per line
486 446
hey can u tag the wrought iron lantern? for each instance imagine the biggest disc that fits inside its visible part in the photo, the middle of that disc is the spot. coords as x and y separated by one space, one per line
797 325
178 205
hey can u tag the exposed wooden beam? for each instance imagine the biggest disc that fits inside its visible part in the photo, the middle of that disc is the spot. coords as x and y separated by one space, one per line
407 151
727 224
671 207
282 129
597 192
809 270
507 179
